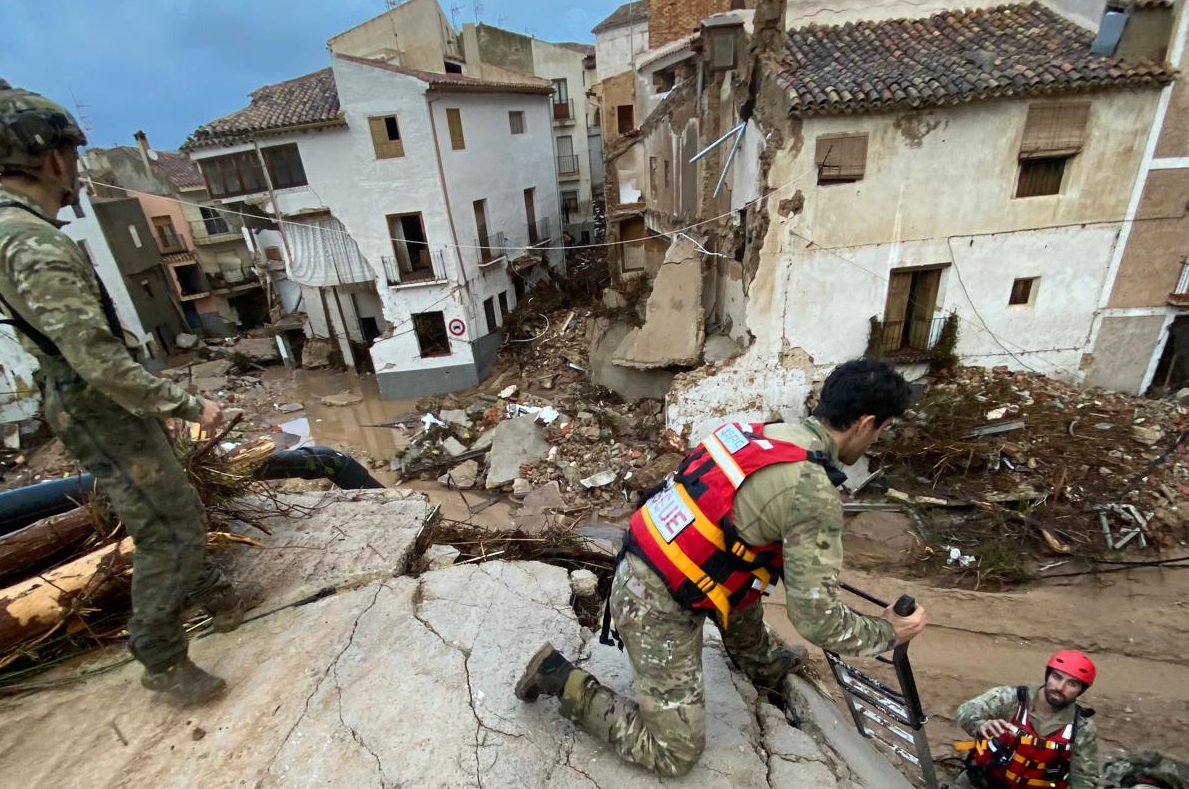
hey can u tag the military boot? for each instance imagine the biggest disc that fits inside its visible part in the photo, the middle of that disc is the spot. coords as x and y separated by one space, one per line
790 659
184 684
545 673
226 609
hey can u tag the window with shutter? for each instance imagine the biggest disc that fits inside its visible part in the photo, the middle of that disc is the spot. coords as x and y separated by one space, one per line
284 166
386 137
516 122
841 158
1054 130
454 121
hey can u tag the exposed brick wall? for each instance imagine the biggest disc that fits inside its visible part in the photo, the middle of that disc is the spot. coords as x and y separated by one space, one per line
669 20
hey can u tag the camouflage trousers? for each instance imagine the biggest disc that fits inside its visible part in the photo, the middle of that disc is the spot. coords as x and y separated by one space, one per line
136 468
664 730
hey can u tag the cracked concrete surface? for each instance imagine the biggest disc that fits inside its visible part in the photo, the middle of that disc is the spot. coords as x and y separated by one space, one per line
399 682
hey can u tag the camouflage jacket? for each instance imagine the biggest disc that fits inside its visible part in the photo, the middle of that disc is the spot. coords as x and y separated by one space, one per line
46 279
1000 704
796 505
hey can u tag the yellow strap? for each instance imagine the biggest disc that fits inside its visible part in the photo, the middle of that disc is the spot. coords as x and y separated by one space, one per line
688 568
962 746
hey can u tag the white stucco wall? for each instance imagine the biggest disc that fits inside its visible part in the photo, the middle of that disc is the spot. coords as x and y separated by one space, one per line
555 62
345 177
616 49
19 397
938 191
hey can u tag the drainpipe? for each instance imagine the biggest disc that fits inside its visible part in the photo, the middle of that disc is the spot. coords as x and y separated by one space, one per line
463 283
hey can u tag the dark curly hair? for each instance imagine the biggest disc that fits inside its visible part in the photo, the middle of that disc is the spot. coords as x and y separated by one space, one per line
860 387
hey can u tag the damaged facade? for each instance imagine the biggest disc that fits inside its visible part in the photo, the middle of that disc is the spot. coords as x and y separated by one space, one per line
405 239
855 185
209 269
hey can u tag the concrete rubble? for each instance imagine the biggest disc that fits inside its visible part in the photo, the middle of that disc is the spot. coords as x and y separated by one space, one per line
516 441
674 327
350 673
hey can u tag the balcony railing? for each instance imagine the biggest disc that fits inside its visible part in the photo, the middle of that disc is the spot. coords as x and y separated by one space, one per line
567 165
169 242
563 110
1180 296
492 248
907 338
425 267
231 278
215 230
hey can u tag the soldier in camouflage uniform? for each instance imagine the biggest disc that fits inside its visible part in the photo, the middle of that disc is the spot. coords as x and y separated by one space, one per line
102 404
1145 769
792 508
998 717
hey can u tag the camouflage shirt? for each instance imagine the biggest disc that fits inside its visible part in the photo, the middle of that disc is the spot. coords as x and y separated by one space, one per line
46 279
794 504
1001 703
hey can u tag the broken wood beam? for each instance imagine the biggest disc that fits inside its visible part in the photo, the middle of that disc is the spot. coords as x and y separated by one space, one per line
34 607
24 552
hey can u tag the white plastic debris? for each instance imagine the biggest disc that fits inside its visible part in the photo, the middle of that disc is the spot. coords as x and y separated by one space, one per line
598 480
429 420
958 558
996 414
508 391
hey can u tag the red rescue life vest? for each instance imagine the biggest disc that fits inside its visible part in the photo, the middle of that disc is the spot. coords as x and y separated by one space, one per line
1024 758
686 533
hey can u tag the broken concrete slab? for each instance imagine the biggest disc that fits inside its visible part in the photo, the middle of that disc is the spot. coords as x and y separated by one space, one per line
483 441
342 399
212 369
289 408
439 556
521 487
454 447
515 441
673 332
258 349
848 753
455 416
535 514
461 477
211 384
347 537
627 383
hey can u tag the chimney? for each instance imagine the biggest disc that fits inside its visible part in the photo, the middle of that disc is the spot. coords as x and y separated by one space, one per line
142 142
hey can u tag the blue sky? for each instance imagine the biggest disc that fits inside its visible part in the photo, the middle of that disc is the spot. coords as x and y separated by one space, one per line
168 66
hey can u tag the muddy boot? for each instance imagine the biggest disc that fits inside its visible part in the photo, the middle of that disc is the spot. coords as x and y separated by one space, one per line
790 659
226 610
546 673
184 684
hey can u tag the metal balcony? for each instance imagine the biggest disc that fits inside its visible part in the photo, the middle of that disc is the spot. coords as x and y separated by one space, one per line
215 230
425 269
567 166
540 231
492 248
169 242
563 111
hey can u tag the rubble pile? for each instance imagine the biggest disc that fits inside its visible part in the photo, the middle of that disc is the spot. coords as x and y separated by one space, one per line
998 460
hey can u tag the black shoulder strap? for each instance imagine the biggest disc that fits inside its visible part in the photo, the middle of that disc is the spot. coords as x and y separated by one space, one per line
837 476
40 340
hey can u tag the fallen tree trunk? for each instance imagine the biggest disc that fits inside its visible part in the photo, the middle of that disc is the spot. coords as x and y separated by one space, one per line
28 550
35 607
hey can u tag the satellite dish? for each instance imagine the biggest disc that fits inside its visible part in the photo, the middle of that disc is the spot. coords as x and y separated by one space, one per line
153 155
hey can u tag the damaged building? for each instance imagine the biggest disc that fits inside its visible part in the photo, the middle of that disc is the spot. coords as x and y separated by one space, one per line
810 188
404 239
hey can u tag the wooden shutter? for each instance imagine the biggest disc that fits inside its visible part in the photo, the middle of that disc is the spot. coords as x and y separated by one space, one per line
1054 130
924 303
382 140
841 157
454 120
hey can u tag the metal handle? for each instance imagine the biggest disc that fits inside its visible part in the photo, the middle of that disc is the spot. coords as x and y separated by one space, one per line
904 606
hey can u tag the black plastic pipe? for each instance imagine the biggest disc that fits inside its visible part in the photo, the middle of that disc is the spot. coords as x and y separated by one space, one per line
22 506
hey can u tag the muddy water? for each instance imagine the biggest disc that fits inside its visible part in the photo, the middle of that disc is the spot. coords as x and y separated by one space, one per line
356 430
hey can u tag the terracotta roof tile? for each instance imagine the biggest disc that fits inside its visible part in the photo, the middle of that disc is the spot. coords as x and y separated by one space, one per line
626 14
1151 3
302 101
179 168
950 58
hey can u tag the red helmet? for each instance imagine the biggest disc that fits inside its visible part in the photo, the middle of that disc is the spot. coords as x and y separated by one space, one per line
1075 664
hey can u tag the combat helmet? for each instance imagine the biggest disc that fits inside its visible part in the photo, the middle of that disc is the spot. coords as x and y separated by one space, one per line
30 127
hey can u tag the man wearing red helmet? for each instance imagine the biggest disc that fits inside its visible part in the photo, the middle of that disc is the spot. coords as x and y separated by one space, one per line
1034 737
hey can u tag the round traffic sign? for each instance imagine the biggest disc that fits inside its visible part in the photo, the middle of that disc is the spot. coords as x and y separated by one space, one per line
457 327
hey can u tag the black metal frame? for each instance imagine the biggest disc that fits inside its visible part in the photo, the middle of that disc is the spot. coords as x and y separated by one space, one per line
874 703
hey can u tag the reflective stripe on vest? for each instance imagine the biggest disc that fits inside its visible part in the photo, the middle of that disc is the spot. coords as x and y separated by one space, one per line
686 533
1025 757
